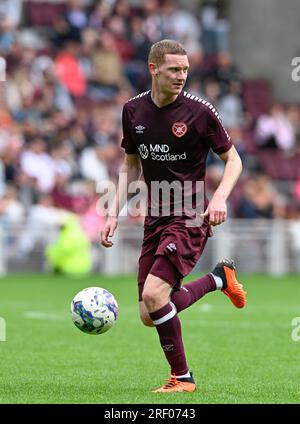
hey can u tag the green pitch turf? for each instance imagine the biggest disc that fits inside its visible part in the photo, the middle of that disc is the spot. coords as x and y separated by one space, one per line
238 356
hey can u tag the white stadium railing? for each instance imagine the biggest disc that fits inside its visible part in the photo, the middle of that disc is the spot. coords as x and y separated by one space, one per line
257 246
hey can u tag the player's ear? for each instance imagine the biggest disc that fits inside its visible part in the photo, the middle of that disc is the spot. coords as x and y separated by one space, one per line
153 69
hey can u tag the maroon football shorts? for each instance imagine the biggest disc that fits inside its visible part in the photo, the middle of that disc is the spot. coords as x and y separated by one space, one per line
170 252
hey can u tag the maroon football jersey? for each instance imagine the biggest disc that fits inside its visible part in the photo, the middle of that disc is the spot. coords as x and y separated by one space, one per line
173 142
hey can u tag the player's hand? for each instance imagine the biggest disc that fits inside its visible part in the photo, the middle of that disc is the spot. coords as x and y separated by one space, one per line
216 210
108 231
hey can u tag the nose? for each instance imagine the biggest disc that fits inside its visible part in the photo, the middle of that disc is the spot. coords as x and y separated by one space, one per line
181 76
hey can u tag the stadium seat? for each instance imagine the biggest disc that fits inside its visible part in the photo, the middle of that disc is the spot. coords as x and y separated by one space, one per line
257 97
278 165
43 13
296 165
249 142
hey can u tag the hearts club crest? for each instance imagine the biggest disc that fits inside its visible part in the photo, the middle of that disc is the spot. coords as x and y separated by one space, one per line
179 129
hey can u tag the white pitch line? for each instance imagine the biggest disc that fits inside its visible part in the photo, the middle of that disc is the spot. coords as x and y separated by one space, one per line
205 307
242 324
43 315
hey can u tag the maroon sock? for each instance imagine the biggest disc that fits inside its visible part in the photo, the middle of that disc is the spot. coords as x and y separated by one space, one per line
192 292
168 327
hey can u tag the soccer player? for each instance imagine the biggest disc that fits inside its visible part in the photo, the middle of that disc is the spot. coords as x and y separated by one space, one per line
167 133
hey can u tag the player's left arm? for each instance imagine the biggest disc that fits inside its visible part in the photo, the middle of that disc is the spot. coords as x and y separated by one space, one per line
217 208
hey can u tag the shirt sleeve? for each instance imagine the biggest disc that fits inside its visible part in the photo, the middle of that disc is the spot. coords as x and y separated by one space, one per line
218 137
127 140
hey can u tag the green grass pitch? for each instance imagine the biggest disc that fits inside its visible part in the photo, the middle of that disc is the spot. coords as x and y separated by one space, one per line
237 356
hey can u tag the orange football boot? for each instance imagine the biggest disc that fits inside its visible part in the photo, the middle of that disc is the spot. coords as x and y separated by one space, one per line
225 269
174 385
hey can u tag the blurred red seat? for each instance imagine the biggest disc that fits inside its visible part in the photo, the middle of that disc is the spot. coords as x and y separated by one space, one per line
249 142
278 165
257 97
43 13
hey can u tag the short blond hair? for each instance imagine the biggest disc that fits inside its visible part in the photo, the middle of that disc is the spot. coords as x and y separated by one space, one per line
163 47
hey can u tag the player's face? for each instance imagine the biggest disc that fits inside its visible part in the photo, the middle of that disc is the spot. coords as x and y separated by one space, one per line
172 74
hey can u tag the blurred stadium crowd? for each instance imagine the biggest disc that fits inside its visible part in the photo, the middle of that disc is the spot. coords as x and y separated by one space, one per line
71 65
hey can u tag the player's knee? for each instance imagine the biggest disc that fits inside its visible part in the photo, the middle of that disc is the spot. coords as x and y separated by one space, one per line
149 297
156 293
151 291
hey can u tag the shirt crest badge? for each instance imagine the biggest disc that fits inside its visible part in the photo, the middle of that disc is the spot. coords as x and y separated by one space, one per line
179 129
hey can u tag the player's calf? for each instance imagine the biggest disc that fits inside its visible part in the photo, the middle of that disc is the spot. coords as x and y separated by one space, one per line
144 315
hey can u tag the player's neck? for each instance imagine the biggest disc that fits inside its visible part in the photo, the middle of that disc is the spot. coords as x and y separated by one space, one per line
160 99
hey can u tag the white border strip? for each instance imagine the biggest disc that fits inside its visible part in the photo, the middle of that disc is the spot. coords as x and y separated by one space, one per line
165 318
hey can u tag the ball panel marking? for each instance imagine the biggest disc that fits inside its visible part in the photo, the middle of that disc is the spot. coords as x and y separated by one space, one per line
94 310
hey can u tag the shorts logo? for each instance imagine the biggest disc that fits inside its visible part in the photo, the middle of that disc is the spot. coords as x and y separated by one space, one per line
179 129
171 247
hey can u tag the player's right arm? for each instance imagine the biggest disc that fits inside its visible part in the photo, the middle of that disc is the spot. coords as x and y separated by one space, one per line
132 167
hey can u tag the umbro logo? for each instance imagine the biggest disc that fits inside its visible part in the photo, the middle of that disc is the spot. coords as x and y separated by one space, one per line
139 129
171 247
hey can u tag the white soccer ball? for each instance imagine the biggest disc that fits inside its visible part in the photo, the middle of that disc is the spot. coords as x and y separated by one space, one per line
94 310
